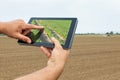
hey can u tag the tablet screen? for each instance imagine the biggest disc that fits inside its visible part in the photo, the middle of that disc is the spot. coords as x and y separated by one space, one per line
52 28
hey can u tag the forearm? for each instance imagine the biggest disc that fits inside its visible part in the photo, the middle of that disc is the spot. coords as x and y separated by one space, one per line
47 73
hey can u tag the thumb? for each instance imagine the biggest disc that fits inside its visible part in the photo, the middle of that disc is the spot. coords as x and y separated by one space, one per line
24 38
56 42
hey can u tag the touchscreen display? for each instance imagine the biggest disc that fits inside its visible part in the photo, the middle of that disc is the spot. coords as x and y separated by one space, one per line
52 28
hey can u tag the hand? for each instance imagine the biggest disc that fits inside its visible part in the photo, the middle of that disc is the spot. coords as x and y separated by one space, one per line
15 29
57 59
57 56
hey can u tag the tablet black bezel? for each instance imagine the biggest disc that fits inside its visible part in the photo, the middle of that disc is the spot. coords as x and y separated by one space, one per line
69 38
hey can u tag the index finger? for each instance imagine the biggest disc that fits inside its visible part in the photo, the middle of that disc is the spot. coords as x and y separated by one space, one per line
30 26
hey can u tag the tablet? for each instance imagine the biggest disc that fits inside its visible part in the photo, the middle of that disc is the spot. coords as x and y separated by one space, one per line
63 29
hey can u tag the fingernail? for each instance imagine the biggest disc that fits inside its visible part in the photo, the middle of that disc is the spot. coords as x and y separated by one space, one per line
41 46
29 41
41 26
53 38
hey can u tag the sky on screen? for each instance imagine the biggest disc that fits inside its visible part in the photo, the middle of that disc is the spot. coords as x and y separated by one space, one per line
95 16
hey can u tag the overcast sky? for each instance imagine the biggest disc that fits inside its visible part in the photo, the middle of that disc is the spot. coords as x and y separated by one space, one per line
97 16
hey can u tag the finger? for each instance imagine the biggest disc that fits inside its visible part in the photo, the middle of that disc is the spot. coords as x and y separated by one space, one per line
56 42
24 38
45 51
30 26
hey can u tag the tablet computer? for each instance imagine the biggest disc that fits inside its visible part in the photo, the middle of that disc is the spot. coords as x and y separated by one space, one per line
63 29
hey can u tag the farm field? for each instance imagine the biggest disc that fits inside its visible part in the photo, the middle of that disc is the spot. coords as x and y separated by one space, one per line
91 58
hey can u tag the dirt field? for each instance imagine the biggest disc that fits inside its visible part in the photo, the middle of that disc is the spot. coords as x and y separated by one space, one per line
91 58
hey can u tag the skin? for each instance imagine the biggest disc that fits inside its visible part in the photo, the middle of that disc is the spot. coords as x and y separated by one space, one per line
17 29
57 56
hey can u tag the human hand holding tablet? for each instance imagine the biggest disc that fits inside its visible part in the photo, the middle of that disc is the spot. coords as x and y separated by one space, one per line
63 29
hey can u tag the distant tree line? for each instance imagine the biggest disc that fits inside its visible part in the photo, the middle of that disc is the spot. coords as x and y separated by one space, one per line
87 33
107 33
112 33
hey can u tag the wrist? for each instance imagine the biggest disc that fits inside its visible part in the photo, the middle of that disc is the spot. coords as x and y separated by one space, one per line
2 27
54 72
57 68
